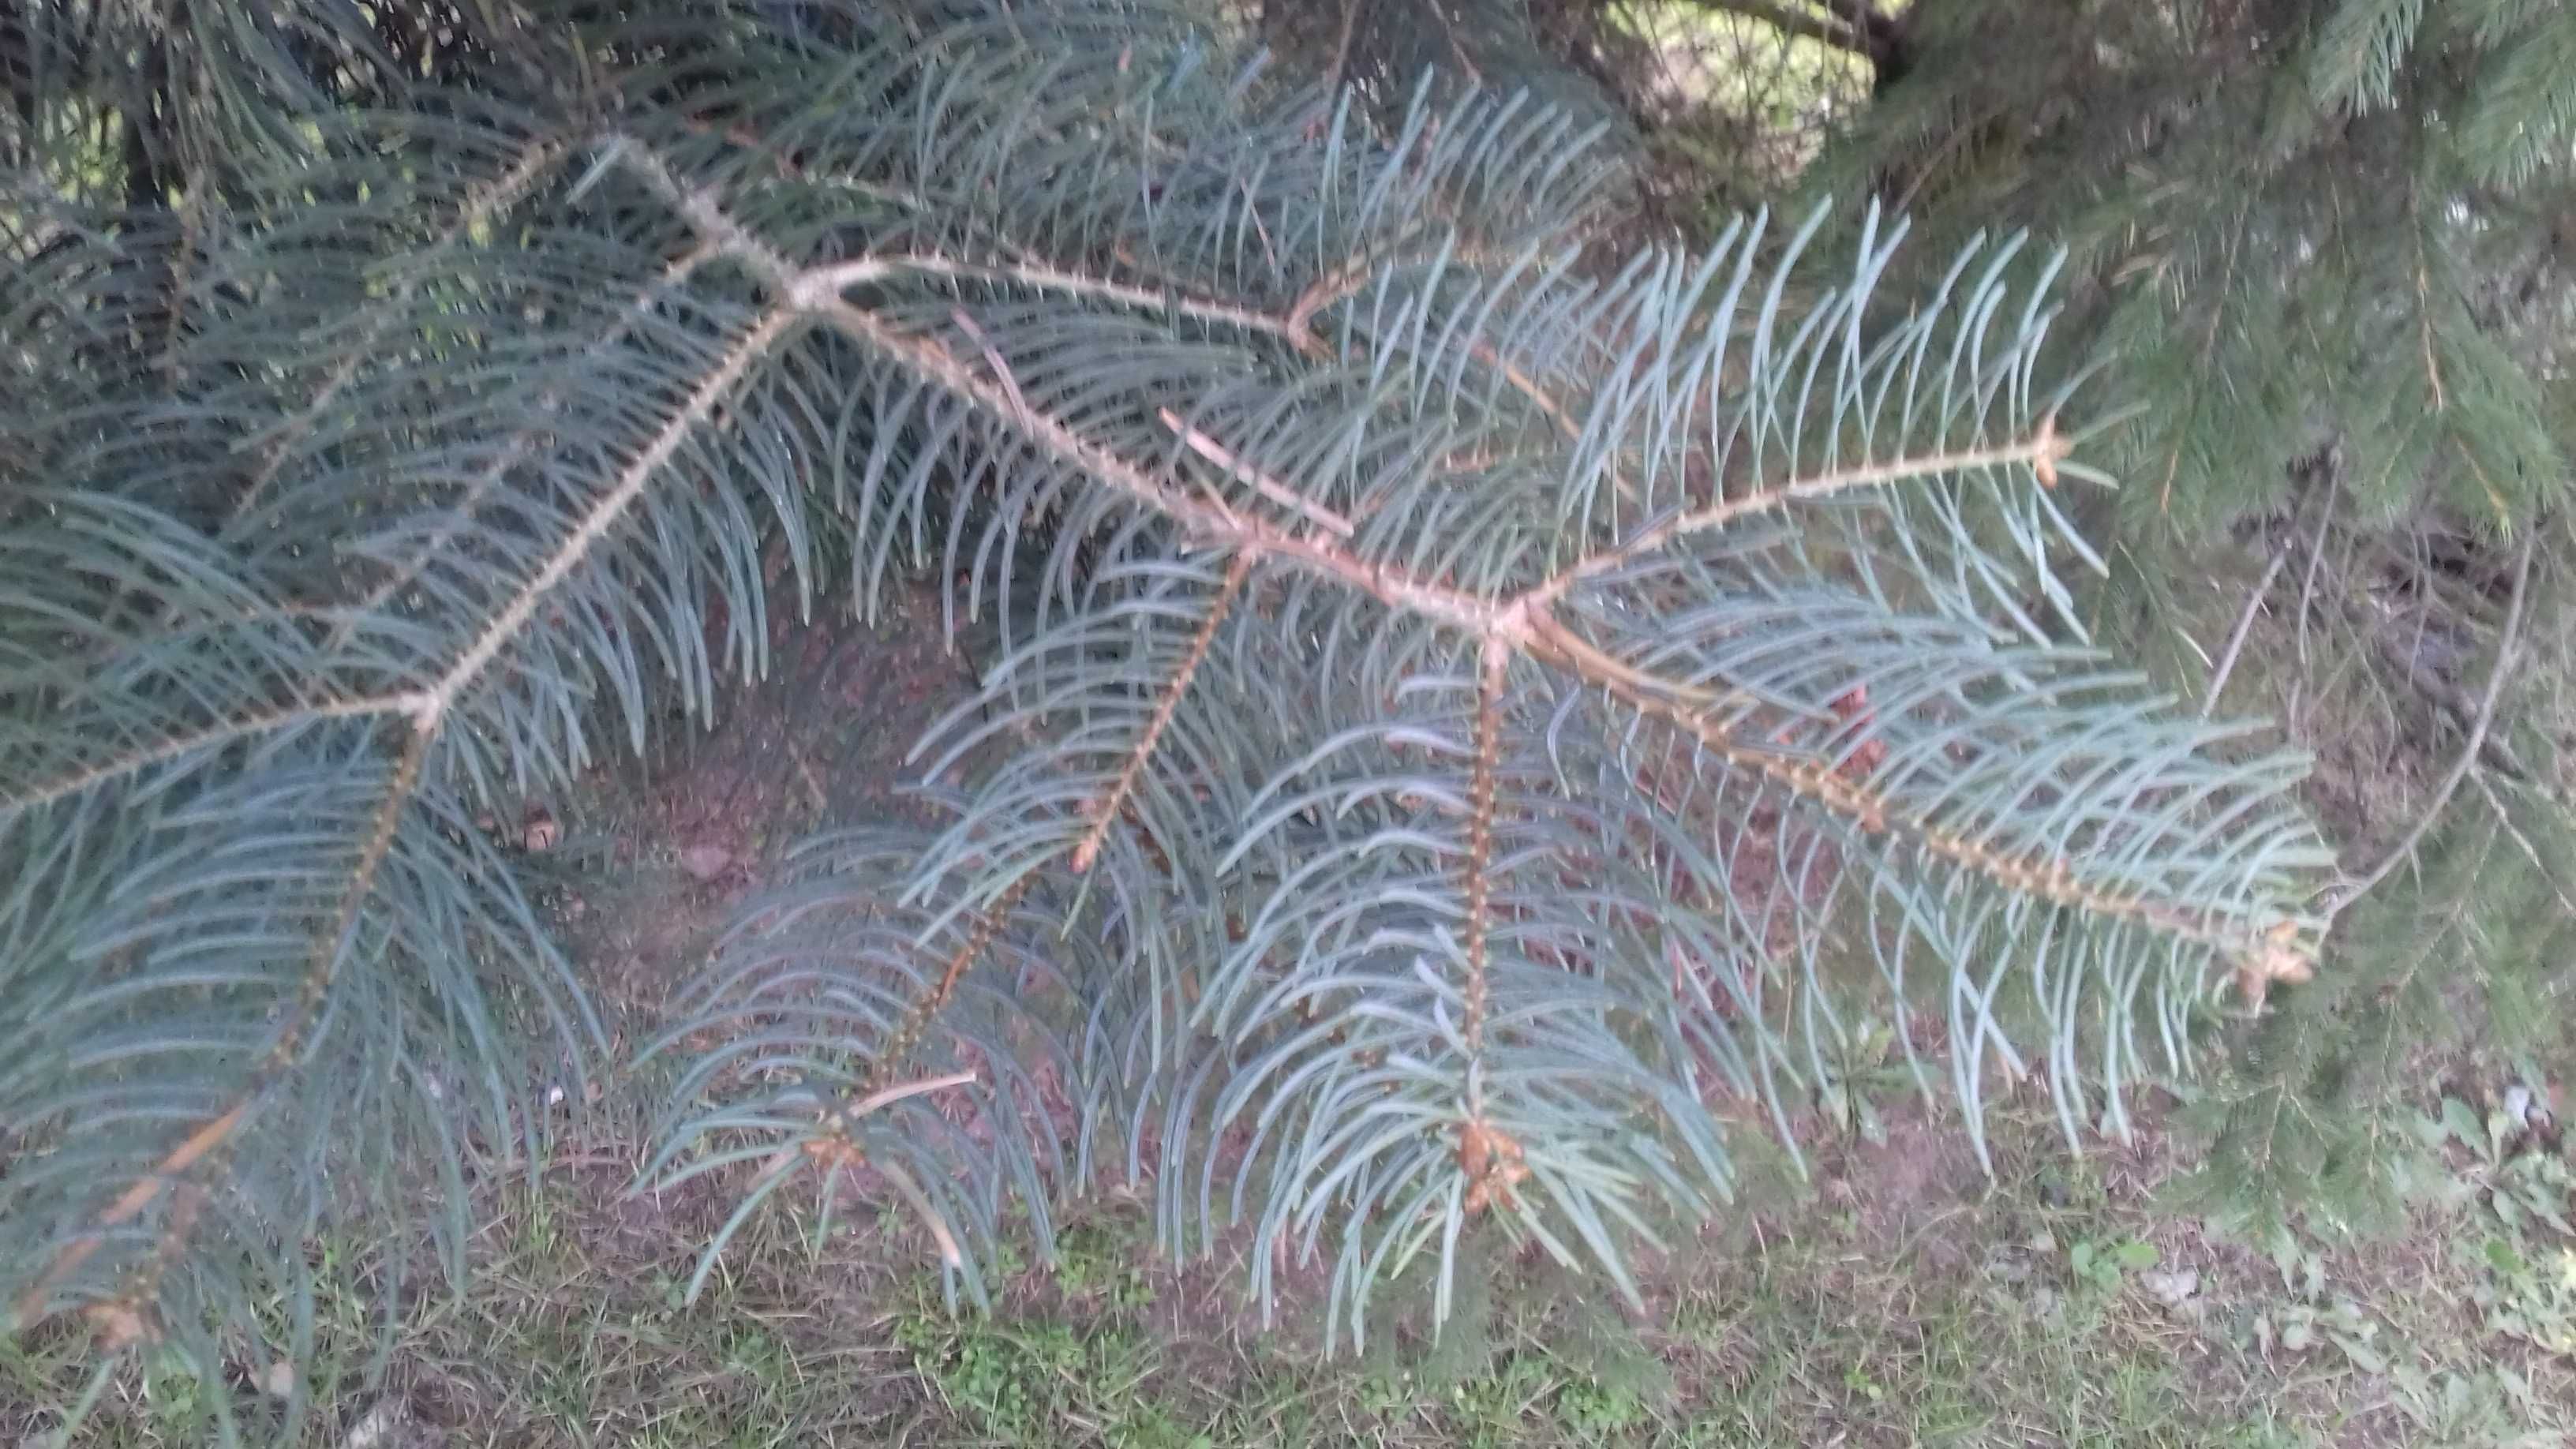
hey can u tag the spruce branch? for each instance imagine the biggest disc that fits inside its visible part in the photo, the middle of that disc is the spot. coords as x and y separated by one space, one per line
329 951
1443 751
887 1096
2055 879
1206 518
1524 623
483 202
514 453
1105 811
85 778
426 710
1493 673
508 623
2226 666
1338 284
1293 328
2202 377
2540 864
2040 452
917 1017
1490 1160
1268 487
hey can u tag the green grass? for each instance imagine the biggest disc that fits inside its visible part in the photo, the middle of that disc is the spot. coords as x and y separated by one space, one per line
2057 1305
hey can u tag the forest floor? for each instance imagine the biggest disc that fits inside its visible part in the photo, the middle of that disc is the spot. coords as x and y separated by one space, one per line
1895 1295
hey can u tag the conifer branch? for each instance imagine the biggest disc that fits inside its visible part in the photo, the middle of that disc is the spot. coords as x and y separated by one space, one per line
2040 452
1490 1160
706 215
1039 277
908 1031
1105 810
2236 636
1295 327
426 709
328 952
481 204
1339 284
1278 351
1493 672
1344 282
1205 518
1525 623
2050 878
213 736
885 1097
817 291
2201 380
603 515
1262 483
1546 402
516 451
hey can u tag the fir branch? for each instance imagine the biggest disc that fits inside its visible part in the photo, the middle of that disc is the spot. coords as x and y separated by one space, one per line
1524 623
1493 671
2202 375
1204 518
1262 483
1040 277
481 204
2424 329
2236 636
602 516
2048 878
817 291
330 950
997 354
2040 452
885 1097
1338 284
2540 865
427 710
915 1022
993 357
1105 810
1295 326
516 451
214 736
